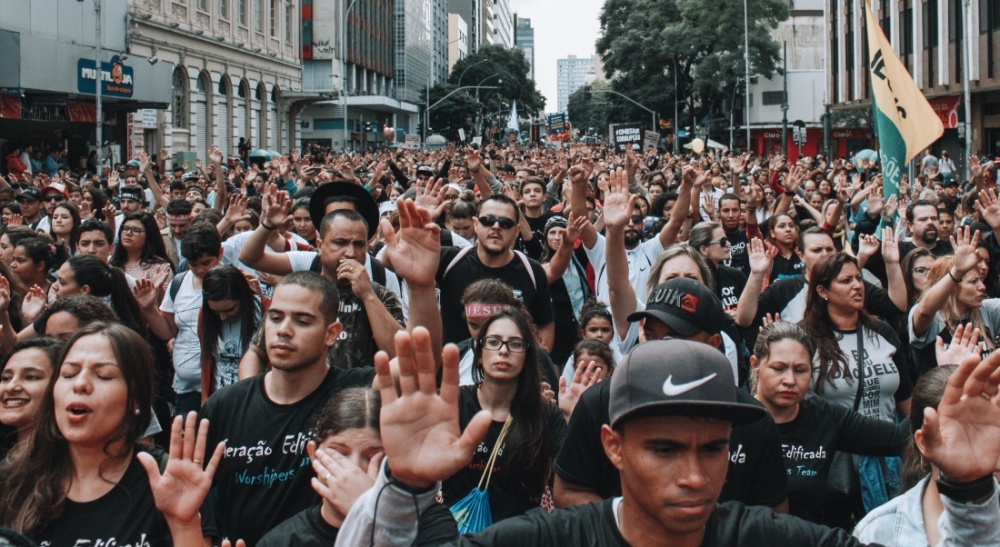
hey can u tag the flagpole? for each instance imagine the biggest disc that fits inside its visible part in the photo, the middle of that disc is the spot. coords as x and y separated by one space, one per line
967 99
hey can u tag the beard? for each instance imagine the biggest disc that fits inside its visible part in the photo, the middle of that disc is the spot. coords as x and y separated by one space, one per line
632 238
930 237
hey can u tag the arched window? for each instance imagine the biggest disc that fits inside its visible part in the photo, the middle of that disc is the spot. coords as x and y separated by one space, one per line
179 103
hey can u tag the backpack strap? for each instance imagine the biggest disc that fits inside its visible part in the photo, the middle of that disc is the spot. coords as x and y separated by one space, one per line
316 265
175 284
461 254
527 266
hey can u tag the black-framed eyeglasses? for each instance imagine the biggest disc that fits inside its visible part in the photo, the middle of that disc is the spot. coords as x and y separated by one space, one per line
724 242
132 230
514 345
504 222
921 270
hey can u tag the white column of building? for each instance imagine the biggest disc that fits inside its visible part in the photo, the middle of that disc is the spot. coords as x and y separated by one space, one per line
972 33
859 63
943 59
917 65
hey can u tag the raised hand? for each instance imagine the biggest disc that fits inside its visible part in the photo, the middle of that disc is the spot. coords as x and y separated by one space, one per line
338 480
574 227
964 243
181 489
113 179
431 198
891 206
768 319
618 203
794 178
876 200
760 259
85 212
964 345
143 158
473 160
416 249
989 208
33 304
890 246
420 430
146 294
4 294
586 375
16 220
237 209
215 155
275 206
962 437
868 245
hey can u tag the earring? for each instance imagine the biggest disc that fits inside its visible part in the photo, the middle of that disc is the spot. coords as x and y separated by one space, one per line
137 412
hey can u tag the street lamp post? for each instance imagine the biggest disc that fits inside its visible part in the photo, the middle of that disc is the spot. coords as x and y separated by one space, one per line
966 95
467 69
99 52
629 99
343 66
480 85
746 61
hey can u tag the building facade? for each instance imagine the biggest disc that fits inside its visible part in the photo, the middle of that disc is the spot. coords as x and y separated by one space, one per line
572 74
439 42
524 39
471 11
238 70
498 23
49 75
931 39
458 39
802 42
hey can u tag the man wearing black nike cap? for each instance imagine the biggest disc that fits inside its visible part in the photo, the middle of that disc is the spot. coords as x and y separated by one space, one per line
684 309
668 435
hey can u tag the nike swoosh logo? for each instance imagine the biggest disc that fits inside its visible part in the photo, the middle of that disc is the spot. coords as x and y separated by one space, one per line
671 390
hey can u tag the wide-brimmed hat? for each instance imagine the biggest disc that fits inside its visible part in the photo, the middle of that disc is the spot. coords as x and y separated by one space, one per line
338 190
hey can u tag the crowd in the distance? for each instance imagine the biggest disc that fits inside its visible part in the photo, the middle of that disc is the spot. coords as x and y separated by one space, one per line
573 346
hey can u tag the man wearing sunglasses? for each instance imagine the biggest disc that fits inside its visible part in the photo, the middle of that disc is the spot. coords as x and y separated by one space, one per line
493 256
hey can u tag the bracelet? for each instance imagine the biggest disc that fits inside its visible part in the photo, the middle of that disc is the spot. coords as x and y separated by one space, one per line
953 278
964 492
266 227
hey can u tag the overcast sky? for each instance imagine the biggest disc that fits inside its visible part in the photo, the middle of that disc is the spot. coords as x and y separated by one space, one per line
561 29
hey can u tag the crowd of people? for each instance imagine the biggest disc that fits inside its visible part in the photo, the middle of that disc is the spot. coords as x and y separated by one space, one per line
578 346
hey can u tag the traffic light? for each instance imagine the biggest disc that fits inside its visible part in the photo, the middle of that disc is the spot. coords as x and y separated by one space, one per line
369 127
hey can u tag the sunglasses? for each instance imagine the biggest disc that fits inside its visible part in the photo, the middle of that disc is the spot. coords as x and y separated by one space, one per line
724 242
51 199
504 222
636 219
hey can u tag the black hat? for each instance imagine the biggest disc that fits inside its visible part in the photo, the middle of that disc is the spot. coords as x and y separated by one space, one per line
555 221
677 377
31 193
686 306
133 193
326 193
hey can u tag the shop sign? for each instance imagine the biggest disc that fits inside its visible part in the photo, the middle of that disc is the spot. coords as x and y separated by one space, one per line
947 109
116 78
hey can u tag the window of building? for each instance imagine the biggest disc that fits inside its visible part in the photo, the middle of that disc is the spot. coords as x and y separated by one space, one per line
289 19
260 16
242 7
224 9
179 104
203 5
772 98
274 17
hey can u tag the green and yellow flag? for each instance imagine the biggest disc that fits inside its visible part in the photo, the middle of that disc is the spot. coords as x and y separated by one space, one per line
905 121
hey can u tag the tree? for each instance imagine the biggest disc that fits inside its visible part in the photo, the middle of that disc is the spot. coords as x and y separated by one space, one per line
643 42
493 64
586 112
457 111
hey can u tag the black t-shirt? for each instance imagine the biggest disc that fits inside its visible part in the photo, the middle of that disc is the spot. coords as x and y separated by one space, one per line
126 515
595 524
509 496
308 529
739 257
469 269
756 475
536 247
810 440
730 283
876 264
263 478
783 268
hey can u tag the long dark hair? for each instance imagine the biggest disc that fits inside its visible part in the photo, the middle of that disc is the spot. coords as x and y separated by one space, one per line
352 408
98 201
154 251
109 282
74 234
530 447
819 326
926 394
34 485
227 283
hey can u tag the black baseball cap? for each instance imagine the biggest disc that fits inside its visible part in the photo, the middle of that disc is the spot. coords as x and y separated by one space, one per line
32 193
677 378
686 306
333 191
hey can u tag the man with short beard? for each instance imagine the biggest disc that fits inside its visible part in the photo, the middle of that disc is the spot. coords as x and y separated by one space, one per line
730 211
924 223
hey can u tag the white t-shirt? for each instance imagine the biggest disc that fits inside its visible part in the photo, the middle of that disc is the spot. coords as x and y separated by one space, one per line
640 260
881 374
187 346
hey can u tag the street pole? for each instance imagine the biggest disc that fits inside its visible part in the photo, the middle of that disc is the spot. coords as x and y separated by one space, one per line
746 60
467 69
967 96
100 82
784 100
677 120
343 66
